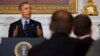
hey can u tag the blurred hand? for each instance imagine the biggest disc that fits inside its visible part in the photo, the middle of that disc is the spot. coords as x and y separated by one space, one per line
15 32
39 32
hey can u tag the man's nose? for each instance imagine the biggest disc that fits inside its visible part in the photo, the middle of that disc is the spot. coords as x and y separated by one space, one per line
29 10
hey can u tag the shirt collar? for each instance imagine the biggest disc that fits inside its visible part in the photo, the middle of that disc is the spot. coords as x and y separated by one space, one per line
23 21
85 36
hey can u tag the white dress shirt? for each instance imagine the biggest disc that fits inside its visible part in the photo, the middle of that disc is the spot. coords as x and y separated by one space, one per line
23 21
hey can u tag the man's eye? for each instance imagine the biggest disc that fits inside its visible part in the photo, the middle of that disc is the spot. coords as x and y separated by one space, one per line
30 8
26 8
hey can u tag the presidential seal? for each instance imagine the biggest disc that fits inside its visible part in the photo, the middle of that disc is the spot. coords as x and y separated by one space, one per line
22 48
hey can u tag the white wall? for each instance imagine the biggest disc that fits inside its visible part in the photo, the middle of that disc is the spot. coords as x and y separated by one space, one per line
6 19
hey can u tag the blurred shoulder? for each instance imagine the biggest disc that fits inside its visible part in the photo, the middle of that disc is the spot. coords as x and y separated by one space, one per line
34 21
14 23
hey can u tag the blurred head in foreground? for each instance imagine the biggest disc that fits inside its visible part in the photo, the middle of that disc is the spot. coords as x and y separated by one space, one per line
61 21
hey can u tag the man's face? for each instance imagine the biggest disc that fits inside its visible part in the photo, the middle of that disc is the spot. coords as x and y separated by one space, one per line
26 11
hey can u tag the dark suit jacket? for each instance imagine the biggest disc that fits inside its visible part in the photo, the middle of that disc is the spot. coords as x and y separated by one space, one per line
59 45
32 26
85 45
95 49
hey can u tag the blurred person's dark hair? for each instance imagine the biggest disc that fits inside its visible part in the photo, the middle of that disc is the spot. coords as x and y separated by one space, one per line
21 4
61 21
82 25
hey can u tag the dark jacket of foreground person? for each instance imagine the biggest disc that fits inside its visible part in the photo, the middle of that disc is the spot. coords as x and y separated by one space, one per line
59 45
85 45
94 49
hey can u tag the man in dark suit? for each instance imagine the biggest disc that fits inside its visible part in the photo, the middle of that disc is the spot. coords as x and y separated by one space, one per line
82 29
25 27
60 43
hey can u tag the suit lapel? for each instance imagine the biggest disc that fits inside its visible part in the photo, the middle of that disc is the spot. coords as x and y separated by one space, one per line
31 23
20 24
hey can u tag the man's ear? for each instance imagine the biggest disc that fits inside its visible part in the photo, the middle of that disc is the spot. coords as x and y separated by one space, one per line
91 30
